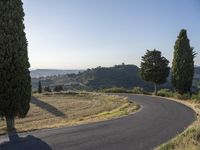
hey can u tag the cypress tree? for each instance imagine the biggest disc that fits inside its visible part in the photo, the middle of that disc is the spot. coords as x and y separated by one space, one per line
39 87
154 68
15 81
183 64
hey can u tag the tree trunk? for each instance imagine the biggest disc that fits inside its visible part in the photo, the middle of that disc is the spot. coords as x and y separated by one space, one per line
155 89
10 122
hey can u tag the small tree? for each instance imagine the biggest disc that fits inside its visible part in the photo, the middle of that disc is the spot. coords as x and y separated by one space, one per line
183 64
58 88
15 81
47 89
154 68
39 87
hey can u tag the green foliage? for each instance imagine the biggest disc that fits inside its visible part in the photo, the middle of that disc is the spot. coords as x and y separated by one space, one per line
58 88
185 96
15 81
183 64
196 96
115 90
119 76
138 90
107 77
39 87
165 93
154 68
34 92
47 89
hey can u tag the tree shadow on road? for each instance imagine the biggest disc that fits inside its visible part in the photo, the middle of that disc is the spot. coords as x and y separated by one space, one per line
23 143
51 109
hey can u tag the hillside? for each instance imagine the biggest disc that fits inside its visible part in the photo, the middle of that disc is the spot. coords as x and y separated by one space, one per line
126 76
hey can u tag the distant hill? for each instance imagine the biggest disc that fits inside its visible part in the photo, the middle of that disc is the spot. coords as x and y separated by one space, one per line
126 76
51 72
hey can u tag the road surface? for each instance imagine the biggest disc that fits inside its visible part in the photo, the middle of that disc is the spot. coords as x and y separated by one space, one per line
157 122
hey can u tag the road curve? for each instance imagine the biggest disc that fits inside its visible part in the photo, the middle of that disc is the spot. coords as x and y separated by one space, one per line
158 121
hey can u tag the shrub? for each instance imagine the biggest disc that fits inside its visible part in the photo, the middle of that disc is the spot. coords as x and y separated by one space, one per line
165 93
47 89
138 90
58 88
196 96
72 93
115 90
185 96
34 92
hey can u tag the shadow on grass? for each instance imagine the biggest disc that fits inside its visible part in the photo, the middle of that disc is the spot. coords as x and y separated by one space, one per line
51 109
23 143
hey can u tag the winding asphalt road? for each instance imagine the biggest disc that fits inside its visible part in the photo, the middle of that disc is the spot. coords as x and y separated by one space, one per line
157 122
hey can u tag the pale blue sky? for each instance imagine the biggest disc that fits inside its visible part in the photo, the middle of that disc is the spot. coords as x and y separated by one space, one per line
80 34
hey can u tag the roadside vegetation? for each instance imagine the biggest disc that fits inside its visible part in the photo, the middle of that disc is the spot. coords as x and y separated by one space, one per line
115 90
193 97
49 110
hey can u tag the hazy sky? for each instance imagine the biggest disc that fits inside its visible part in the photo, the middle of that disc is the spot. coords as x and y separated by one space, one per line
79 34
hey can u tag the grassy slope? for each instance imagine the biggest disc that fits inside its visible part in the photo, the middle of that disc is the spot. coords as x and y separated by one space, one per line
190 138
58 110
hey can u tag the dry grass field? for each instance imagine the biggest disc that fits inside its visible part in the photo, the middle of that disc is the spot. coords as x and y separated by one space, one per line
62 109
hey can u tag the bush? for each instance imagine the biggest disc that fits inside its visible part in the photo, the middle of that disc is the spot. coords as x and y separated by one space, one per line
165 93
185 96
138 90
58 88
47 89
196 96
115 90
34 92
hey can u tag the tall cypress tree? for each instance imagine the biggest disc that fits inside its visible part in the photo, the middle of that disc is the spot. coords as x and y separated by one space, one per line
183 64
15 81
